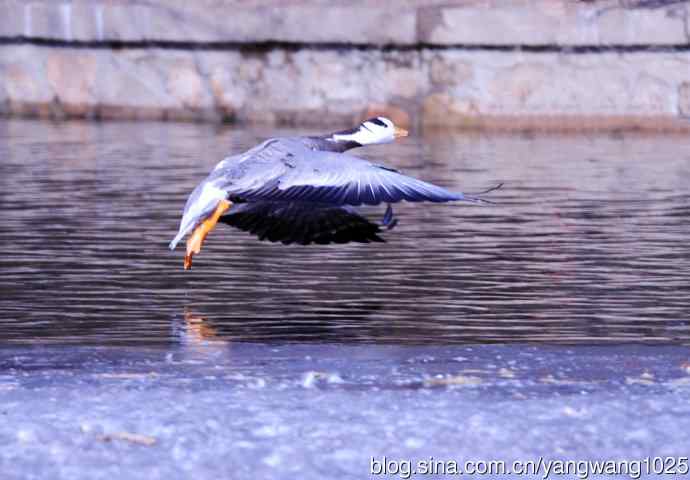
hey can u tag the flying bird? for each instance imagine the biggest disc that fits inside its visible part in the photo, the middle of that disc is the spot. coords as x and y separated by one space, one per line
285 184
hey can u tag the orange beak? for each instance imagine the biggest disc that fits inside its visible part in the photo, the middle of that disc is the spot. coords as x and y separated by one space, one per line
400 132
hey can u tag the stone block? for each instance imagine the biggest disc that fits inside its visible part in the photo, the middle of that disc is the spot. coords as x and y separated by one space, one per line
131 84
25 83
363 23
521 87
551 22
11 18
222 21
72 75
444 109
468 22
87 21
4 99
405 82
227 98
51 20
544 22
26 92
445 70
185 85
642 26
329 86
126 22
684 100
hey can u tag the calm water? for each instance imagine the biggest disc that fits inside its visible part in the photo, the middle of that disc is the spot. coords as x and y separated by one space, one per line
589 243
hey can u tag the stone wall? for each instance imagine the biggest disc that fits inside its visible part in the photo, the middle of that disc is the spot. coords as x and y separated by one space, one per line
506 63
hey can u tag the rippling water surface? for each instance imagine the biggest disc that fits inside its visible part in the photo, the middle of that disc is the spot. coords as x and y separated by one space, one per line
588 243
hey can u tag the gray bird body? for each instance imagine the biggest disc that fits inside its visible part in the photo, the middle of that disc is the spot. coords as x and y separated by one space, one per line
304 169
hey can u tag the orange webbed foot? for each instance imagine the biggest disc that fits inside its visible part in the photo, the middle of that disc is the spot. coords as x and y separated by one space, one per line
196 239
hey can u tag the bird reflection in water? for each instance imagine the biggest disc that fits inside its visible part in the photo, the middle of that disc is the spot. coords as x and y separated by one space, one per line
196 331
306 223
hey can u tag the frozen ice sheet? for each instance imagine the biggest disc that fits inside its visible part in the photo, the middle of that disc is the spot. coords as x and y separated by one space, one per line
221 410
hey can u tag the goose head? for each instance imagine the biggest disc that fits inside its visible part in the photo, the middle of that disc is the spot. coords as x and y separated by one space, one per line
370 132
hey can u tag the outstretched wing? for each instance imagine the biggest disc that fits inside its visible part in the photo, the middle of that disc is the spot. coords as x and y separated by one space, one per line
338 179
302 223
285 170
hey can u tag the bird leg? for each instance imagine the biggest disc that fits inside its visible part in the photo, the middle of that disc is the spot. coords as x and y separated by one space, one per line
196 239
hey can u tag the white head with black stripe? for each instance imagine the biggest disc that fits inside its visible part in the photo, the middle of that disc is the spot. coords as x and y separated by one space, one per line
370 132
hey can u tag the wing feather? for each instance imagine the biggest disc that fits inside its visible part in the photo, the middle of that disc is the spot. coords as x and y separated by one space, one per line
302 223
341 179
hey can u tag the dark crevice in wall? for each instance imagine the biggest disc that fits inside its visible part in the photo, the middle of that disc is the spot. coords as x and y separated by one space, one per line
258 47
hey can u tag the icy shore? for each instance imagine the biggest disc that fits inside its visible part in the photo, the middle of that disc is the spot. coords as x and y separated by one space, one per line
222 410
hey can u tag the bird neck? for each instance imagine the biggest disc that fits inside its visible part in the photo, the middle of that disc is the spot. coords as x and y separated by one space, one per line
336 142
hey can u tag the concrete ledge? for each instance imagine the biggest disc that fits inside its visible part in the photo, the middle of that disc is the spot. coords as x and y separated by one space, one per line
208 21
470 63
432 87
360 22
549 22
